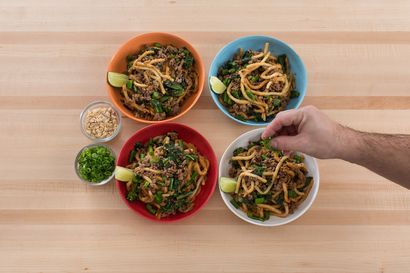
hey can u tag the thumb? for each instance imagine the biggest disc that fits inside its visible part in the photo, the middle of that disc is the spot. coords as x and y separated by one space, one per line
288 143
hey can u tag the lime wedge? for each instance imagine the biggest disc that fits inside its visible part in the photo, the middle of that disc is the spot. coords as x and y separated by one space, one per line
117 79
123 174
227 185
217 86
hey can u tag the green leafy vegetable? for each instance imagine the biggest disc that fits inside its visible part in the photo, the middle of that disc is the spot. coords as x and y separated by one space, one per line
188 60
292 194
238 150
308 181
175 88
283 61
157 106
260 200
234 203
250 215
259 170
294 94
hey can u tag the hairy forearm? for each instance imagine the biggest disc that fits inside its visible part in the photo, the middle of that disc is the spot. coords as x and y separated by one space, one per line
387 155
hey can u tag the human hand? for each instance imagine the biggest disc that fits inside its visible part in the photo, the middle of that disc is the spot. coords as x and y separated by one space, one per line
305 130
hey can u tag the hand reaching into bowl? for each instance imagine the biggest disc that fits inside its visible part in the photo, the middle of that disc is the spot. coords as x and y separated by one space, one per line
310 131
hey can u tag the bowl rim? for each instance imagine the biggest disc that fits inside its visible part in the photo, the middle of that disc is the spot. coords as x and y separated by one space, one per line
83 115
97 144
197 95
242 39
214 179
248 135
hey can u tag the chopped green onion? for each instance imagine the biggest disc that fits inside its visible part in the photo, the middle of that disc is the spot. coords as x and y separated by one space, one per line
227 100
171 183
150 209
132 156
250 95
150 149
158 197
193 177
297 158
260 200
155 95
226 81
182 196
157 45
154 159
164 98
129 84
96 164
191 157
250 215
146 184
276 102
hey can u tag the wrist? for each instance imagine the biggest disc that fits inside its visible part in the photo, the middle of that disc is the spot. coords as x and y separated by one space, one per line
348 144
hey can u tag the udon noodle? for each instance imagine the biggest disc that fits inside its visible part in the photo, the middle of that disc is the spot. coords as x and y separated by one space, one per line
259 84
169 174
267 181
161 77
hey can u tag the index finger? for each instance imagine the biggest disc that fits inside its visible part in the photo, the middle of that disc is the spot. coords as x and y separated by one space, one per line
283 119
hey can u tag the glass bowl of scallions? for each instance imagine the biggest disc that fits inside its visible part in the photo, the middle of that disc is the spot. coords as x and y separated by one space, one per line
95 164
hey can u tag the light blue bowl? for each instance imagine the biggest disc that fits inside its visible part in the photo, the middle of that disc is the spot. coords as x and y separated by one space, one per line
277 47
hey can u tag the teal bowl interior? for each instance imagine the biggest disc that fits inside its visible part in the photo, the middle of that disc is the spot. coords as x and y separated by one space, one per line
277 47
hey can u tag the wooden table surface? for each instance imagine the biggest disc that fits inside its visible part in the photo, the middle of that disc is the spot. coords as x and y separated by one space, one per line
53 56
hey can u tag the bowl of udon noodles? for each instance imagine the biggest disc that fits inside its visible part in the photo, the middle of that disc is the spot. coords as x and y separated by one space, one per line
270 187
258 76
155 77
174 172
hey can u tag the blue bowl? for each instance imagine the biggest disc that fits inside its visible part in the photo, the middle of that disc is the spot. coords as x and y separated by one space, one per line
277 47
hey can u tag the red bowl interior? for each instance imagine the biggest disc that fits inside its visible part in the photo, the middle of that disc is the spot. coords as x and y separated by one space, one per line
187 134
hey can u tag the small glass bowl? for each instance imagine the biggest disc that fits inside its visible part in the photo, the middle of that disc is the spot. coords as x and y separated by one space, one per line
97 104
76 165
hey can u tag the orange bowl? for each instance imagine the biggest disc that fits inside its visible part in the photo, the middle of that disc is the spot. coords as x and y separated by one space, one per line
118 64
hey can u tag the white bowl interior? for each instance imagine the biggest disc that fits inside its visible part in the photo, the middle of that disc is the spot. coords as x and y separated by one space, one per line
243 141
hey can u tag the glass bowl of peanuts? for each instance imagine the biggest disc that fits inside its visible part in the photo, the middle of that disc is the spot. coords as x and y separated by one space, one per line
100 121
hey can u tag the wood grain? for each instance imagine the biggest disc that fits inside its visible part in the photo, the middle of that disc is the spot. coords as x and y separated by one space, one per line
53 56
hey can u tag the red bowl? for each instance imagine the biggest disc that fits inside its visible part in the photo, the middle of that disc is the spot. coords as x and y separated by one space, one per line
187 134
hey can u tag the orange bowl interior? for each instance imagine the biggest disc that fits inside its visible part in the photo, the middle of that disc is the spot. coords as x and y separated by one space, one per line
118 64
